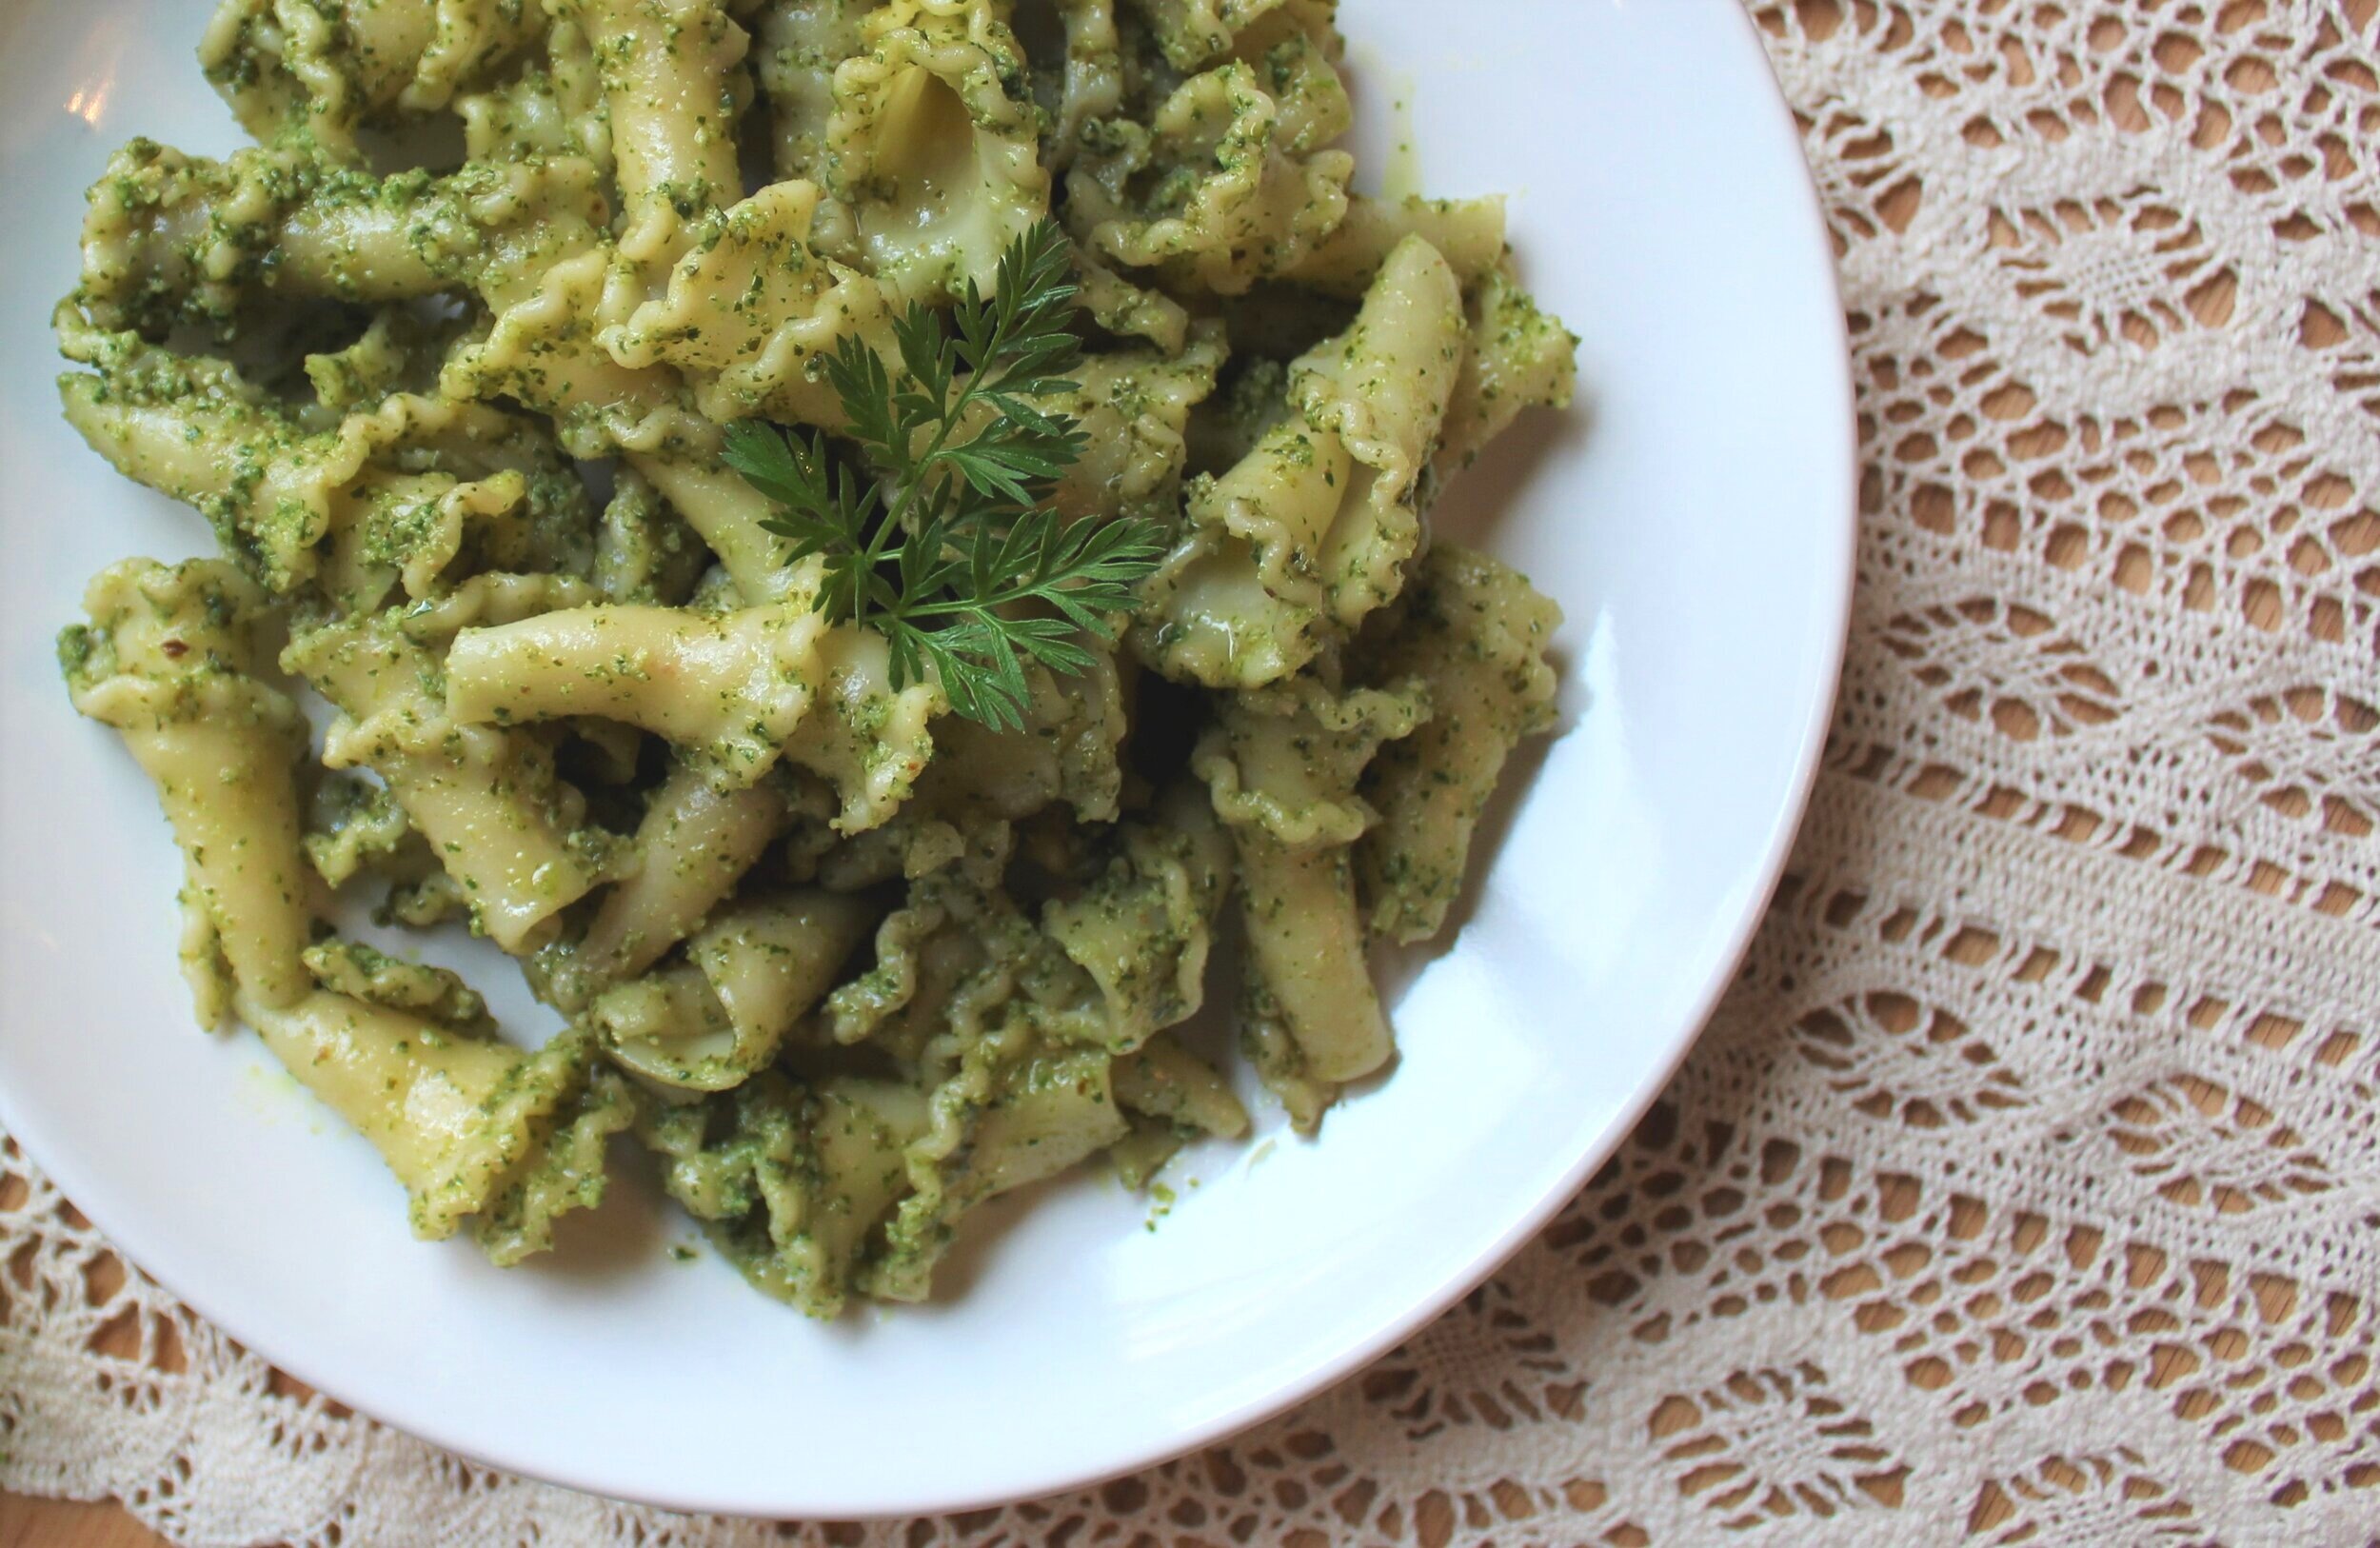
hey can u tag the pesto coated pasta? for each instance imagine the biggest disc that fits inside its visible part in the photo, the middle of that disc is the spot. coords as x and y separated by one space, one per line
866 543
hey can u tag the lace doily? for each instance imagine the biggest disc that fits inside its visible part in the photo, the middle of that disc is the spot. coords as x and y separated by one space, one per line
2028 1185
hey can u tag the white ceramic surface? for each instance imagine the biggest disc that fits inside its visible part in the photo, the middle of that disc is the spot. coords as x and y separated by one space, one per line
1693 517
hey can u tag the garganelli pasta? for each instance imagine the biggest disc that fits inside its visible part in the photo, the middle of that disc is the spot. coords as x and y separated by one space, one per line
855 539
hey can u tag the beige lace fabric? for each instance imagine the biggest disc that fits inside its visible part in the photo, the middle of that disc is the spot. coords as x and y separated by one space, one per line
2027 1188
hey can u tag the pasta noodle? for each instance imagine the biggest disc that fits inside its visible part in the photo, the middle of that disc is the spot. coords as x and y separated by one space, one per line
315 74
1312 528
168 660
1475 635
868 871
939 164
1282 767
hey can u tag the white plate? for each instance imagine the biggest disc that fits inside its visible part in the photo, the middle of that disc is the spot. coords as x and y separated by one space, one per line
1694 516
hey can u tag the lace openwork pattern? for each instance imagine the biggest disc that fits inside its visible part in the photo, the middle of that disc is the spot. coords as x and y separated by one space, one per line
2028 1187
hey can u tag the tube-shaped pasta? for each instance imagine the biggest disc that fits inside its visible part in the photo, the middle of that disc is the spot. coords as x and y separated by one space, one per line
755 970
171 238
1227 202
1468 233
168 660
485 797
1281 765
1310 531
730 686
316 72
697 840
673 88
1520 358
1476 634
791 1182
937 161
469 1125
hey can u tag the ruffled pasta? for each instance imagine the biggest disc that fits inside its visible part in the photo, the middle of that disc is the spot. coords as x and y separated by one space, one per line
1083 82
1209 189
1468 233
750 313
674 86
504 828
791 1182
748 979
1068 749
1281 766
697 839
1143 929
314 74
551 108
1520 358
174 239
1298 542
1012 1112
730 687
1475 635
938 162
849 962
470 1126
168 659
1192 32
1134 406
389 499
797 46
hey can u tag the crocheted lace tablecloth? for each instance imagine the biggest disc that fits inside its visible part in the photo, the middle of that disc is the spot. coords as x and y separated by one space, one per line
2025 1189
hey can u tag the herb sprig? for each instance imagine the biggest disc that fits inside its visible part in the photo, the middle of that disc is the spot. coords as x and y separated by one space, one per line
944 543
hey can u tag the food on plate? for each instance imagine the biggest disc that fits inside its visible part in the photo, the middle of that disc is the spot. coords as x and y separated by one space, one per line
855 540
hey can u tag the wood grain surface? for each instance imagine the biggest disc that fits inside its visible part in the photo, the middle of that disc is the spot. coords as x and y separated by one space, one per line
27 1522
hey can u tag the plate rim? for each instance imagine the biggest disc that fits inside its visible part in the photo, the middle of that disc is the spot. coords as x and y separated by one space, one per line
1351 1356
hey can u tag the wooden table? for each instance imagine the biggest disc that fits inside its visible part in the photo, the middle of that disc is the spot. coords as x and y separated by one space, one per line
55 1523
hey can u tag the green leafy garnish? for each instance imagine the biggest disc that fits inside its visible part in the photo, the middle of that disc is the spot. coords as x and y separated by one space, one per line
942 541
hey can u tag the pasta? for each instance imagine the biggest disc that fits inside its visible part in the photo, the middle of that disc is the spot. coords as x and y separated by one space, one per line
868 641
